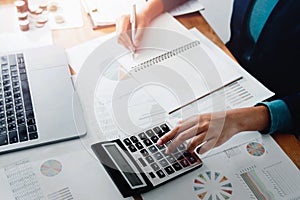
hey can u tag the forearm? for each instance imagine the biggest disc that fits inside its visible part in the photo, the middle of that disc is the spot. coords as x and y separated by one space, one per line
249 119
155 8
152 9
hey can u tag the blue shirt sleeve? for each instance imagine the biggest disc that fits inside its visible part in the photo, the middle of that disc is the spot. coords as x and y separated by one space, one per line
280 116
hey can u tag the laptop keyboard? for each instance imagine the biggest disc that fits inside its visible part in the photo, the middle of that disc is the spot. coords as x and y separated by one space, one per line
17 122
161 164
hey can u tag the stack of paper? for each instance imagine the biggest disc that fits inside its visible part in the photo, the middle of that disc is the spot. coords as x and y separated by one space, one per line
188 7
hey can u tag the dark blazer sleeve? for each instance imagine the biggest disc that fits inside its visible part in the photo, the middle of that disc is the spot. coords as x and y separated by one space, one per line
293 103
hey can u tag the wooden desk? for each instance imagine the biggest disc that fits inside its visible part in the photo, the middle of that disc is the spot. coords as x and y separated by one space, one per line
71 37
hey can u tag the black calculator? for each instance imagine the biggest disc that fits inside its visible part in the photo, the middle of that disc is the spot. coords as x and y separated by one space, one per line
137 165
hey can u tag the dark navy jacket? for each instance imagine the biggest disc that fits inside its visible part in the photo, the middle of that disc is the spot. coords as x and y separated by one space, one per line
275 59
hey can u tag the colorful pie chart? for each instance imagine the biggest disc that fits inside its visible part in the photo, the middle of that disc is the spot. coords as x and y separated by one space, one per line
255 149
212 185
51 168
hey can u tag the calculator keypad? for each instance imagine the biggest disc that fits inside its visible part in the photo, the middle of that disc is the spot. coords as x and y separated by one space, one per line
153 159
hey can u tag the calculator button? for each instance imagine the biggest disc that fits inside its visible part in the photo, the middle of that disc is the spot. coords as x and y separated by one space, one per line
163 163
178 156
175 151
157 130
144 152
154 139
177 166
127 141
153 149
158 156
147 142
160 174
149 159
142 136
181 147
133 139
150 133
169 170
165 153
139 145
184 163
162 134
186 153
165 128
132 148
171 159
168 143
191 159
152 175
155 166
142 162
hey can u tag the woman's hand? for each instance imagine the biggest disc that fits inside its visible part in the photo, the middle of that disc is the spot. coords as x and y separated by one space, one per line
123 29
216 128
148 13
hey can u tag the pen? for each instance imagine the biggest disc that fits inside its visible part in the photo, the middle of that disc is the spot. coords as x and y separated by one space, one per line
205 95
133 24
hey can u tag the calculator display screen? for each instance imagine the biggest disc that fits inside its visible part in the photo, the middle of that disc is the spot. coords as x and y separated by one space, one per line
124 165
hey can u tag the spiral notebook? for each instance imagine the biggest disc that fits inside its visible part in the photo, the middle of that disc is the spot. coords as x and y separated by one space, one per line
186 73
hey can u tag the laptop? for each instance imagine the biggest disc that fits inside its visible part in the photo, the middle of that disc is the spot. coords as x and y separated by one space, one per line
38 102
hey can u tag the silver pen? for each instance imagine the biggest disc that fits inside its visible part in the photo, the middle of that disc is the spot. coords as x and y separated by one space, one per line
133 24
205 95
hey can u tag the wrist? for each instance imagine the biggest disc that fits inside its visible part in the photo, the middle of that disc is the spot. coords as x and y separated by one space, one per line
249 119
145 19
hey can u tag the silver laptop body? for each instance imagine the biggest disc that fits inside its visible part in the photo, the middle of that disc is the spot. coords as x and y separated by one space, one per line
55 104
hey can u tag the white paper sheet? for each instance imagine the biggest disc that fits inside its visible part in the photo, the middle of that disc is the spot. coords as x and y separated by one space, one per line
218 14
187 7
219 57
142 109
78 54
104 13
59 171
257 168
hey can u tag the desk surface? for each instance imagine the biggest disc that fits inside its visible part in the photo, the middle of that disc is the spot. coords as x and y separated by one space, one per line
71 37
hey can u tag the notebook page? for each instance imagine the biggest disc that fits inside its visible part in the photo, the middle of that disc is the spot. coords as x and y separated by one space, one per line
187 75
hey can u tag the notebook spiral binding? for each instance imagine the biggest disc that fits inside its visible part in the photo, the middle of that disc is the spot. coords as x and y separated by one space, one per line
165 56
